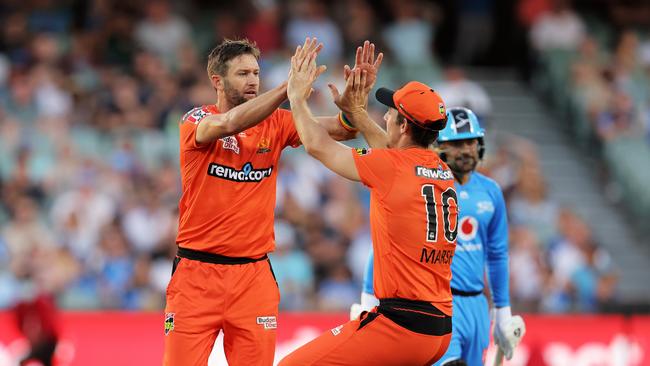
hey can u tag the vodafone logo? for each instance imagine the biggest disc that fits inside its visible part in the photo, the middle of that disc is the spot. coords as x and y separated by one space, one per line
467 228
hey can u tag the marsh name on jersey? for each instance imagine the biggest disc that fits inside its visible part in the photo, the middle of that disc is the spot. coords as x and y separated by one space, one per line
433 256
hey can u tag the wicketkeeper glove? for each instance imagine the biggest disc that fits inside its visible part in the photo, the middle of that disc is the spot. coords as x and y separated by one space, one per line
508 330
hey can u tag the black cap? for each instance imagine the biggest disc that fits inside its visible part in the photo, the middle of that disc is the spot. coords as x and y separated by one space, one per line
385 97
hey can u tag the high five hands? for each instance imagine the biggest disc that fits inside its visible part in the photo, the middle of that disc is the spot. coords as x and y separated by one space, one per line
359 81
304 70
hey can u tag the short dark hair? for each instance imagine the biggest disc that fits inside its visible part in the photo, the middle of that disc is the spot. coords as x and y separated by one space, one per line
421 136
226 51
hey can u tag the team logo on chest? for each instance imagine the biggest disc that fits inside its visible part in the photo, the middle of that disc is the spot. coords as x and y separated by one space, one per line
264 145
467 228
230 143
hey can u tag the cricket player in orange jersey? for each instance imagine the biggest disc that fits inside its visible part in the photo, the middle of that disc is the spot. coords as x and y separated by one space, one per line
222 279
413 217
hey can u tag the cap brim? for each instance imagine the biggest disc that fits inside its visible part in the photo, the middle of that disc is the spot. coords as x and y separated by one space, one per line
385 97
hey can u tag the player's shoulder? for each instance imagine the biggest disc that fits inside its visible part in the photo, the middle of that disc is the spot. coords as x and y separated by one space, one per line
196 114
488 183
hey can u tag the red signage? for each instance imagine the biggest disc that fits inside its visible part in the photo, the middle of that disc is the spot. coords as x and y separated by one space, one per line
125 339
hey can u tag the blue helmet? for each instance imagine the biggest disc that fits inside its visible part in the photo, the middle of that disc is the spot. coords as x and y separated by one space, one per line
462 124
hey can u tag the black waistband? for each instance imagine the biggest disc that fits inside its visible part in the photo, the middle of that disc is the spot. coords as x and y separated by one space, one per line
416 316
465 293
206 257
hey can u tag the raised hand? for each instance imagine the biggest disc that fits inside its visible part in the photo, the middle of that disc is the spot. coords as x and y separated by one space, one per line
304 70
365 60
354 97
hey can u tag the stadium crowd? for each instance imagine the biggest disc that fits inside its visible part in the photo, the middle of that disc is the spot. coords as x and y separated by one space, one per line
90 97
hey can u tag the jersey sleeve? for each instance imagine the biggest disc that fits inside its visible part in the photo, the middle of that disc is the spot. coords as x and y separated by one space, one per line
289 134
189 124
376 168
497 251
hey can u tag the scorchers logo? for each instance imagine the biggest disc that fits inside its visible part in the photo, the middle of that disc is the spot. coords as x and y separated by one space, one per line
467 228
246 174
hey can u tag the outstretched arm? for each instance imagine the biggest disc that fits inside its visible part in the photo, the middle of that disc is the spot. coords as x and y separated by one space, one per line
354 100
318 143
241 117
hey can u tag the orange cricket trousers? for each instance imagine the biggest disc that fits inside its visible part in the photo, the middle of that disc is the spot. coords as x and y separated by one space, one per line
398 332
209 293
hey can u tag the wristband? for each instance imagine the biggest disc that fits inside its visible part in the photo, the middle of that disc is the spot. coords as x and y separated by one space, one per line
345 122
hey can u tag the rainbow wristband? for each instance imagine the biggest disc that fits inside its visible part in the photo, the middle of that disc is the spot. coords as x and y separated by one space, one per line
345 122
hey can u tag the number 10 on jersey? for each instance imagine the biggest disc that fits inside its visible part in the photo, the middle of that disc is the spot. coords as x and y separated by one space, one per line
430 194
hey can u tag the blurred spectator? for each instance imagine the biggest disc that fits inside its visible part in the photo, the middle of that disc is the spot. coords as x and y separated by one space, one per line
527 269
146 213
528 11
580 269
458 91
37 320
292 268
530 205
162 32
80 215
309 18
616 119
560 28
337 291
20 101
475 30
409 39
48 16
265 30
25 233
593 283
226 25
140 294
359 24
116 268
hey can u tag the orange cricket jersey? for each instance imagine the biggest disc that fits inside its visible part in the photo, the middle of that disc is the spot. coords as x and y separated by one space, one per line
413 219
229 185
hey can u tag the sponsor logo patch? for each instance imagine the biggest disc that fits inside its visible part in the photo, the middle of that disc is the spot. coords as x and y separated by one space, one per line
467 228
362 151
195 115
484 206
230 143
268 322
439 173
336 331
246 174
169 322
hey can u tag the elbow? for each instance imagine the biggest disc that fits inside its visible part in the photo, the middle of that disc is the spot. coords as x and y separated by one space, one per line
215 130
310 149
225 126
313 149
